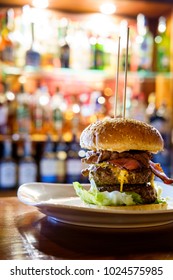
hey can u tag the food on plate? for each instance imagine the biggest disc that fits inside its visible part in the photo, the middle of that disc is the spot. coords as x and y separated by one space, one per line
119 163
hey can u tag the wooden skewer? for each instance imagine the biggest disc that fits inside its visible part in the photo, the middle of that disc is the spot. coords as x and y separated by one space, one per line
117 79
125 77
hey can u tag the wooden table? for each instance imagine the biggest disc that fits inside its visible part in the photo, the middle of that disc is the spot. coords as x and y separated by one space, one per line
27 234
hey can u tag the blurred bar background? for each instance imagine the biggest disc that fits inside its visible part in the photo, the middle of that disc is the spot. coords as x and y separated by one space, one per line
57 75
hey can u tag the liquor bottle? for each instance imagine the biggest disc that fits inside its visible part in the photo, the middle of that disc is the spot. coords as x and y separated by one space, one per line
97 53
61 157
57 119
58 106
110 48
162 41
37 111
42 114
44 101
48 172
3 113
80 51
22 35
27 168
8 167
61 146
151 107
32 56
73 161
23 113
64 48
38 119
11 104
6 44
65 55
145 42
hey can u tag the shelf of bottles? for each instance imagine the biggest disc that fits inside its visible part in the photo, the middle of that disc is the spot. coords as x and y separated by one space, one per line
50 161
49 59
42 39
57 75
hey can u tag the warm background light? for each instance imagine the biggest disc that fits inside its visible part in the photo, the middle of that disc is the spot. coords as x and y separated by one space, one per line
42 4
108 8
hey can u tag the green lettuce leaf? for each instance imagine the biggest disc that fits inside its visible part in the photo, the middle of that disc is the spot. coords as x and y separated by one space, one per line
93 196
160 199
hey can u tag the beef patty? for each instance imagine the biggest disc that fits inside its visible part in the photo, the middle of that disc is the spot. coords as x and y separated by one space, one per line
108 176
146 191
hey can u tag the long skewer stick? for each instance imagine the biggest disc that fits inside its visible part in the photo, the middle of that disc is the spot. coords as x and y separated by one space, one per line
117 79
125 77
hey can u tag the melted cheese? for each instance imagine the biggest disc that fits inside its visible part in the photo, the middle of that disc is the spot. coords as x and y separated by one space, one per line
122 178
121 174
152 180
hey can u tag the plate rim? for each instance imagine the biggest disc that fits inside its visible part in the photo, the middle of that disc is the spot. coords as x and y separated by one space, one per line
86 215
87 207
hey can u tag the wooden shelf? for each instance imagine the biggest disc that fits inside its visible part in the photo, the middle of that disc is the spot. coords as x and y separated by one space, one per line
81 74
34 137
129 8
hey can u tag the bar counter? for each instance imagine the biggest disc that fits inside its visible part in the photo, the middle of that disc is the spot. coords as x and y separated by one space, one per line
27 234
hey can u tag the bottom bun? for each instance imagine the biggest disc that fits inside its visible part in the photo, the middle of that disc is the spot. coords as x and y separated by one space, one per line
142 207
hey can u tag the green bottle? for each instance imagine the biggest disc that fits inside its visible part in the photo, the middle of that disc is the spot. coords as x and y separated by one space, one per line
145 44
97 54
162 41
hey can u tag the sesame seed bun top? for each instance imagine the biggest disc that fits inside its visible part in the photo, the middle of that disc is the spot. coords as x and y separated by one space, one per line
118 134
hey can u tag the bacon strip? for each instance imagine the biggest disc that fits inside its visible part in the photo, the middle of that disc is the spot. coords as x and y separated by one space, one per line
128 163
158 171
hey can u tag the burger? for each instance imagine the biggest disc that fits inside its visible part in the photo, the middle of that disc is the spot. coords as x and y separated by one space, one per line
119 163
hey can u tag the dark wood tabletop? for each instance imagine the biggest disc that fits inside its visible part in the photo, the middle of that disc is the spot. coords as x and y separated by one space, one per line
27 234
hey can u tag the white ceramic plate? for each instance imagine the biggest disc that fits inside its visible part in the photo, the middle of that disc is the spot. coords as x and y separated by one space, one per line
60 202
